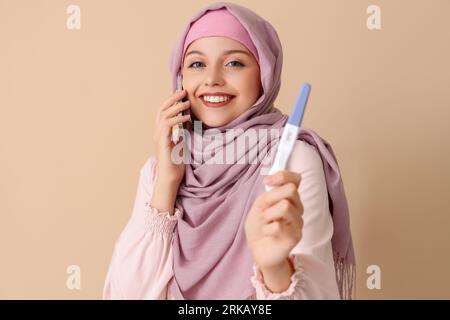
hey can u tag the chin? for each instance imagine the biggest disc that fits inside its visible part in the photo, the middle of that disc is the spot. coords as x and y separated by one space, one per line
210 120
214 123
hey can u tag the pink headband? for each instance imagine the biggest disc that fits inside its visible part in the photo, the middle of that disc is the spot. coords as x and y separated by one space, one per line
219 23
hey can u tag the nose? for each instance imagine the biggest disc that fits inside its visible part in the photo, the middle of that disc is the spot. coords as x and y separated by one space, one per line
214 77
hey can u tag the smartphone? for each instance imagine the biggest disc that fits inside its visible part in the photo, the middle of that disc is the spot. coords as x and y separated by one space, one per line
177 129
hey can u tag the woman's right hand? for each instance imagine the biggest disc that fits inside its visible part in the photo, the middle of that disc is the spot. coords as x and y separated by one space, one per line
167 116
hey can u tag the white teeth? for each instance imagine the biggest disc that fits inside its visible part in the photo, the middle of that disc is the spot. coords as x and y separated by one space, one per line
215 99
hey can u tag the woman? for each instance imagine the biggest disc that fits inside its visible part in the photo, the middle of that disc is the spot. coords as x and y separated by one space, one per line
204 230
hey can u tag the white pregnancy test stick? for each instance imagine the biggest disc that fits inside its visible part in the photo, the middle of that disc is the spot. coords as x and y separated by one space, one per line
290 132
177 129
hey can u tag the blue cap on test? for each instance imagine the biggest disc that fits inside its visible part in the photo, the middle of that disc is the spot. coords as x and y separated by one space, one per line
298 110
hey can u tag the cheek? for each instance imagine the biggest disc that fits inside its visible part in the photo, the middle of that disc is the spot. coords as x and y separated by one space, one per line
251 89
252 84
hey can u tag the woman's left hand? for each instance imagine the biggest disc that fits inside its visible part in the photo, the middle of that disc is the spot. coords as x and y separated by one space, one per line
274 223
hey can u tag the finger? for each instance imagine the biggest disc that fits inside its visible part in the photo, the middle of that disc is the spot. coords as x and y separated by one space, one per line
283 177
174 98
271 229
294 196
166 129
175 109
286 191
294 231
284 210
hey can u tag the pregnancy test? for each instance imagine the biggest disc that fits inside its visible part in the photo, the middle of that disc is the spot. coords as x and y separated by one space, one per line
177 129
290 132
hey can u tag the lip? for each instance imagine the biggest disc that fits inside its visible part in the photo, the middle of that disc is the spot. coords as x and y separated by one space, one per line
216 105
216 94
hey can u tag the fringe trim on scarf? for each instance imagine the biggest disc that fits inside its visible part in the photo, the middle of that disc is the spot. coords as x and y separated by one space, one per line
346 278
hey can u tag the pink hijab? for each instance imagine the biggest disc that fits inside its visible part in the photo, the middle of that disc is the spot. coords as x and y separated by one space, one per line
211 259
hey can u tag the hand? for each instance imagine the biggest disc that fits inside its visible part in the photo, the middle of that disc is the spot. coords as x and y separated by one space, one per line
274 223
167 117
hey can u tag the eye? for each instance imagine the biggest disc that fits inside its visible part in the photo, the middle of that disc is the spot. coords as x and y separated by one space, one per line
240 64
196 62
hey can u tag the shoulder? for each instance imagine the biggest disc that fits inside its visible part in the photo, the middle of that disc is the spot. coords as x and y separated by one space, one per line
305 159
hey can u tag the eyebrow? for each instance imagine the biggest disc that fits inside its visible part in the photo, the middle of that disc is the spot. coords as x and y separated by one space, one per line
224 53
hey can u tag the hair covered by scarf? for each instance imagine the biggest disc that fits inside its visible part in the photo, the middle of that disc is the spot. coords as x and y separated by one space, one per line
209 246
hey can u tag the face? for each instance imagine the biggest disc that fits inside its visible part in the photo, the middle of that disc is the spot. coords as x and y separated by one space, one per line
209 70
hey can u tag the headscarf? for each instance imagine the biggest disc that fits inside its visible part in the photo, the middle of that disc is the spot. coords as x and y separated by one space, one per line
219 23
211 259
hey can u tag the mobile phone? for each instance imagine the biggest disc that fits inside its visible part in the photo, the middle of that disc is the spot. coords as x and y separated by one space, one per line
177 131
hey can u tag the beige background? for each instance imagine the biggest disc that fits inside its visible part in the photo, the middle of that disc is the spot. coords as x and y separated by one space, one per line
77 108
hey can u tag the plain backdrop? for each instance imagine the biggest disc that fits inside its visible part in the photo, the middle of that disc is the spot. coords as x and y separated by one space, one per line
77 111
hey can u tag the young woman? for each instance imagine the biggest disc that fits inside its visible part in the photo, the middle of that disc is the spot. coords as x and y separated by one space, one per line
204 230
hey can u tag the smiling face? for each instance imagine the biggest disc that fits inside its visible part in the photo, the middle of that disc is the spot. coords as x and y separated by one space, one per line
209 69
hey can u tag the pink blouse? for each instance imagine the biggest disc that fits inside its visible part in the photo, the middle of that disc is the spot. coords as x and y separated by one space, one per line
141 265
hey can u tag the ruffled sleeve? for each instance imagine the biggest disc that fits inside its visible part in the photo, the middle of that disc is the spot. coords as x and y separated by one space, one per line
141 265
314 274
264 293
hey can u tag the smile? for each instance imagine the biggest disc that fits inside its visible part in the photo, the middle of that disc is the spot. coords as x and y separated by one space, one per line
216 102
